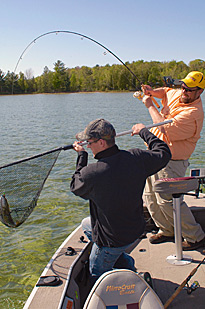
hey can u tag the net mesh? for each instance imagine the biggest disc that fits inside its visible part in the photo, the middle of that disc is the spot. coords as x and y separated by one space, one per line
20 186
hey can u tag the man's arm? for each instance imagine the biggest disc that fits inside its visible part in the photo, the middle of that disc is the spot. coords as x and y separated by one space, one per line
154 113
78 185
158 154
158 92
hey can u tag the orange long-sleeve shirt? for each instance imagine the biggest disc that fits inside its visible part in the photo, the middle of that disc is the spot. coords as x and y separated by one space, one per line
183 133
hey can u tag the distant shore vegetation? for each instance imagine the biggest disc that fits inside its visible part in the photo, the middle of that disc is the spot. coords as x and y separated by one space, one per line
114 77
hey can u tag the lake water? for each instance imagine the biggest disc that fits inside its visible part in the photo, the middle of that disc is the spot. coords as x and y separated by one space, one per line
32 124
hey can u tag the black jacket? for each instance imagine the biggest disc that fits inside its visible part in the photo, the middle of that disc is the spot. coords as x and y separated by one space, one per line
114 186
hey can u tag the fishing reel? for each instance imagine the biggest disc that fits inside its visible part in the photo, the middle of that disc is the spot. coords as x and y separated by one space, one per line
195 285
139 95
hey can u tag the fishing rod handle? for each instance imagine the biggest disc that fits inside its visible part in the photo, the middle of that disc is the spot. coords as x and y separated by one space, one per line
178 290
155 102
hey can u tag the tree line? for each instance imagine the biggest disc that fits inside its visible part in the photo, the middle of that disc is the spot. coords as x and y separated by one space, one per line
114 77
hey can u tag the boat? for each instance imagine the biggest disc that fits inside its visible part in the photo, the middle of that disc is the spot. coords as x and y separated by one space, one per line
165 276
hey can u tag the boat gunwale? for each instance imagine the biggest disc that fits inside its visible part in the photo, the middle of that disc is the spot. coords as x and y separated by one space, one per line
33 292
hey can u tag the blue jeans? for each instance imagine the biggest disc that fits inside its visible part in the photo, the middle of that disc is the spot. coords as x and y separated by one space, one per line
103 259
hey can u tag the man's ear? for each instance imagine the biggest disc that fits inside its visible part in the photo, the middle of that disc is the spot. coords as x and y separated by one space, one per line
103 143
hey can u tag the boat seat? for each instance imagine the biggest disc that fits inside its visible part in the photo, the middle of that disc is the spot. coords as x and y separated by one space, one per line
122 288
176 185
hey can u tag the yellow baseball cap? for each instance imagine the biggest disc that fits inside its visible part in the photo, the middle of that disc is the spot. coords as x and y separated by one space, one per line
194 79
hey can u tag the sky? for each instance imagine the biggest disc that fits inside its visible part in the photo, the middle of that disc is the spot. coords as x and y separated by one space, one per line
133 30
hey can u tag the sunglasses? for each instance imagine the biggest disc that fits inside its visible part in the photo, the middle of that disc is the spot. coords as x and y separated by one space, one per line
188 89
90 143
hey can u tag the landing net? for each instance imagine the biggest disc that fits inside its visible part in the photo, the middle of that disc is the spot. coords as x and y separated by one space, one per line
21 183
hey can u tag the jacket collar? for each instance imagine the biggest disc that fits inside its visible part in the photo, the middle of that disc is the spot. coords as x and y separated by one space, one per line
107 152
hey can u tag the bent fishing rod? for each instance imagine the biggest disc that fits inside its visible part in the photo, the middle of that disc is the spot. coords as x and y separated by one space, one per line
74 33
67 147
82 36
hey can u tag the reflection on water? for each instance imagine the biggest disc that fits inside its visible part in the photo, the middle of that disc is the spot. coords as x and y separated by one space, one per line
32 124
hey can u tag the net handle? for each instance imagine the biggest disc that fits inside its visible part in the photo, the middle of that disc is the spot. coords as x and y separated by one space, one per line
67 147
148 127
128 132
37 156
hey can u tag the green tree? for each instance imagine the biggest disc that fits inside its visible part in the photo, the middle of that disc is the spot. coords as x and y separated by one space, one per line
96 76
2 75
154 76
99 78
197 65
45 83
104 78
87 80
21 82
11 83
60 77
74 82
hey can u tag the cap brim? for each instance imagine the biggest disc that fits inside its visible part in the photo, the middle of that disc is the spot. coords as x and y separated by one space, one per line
81 136
190 83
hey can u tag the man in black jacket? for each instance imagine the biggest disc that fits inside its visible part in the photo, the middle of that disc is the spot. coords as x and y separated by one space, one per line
114 186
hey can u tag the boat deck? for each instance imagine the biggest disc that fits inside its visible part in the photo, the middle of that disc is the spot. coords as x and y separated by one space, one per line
166 277
148 258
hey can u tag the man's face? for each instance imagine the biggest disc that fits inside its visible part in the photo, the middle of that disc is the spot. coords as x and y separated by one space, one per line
189 95
94 145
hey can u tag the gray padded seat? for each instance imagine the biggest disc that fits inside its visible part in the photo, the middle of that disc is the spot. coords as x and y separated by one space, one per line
122 289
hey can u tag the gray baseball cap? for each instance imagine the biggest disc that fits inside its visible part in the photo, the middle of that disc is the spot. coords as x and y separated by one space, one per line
99 128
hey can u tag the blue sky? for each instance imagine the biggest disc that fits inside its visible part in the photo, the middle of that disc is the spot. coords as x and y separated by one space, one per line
133 30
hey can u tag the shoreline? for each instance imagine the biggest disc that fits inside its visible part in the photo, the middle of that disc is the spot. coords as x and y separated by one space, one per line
80 92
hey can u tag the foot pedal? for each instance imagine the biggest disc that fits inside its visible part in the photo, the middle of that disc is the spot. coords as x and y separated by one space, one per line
148 279
49 281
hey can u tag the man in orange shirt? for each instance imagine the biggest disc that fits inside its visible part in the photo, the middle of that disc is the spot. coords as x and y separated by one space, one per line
184 107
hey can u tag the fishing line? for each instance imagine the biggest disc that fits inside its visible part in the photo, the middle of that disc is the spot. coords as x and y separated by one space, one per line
78 34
